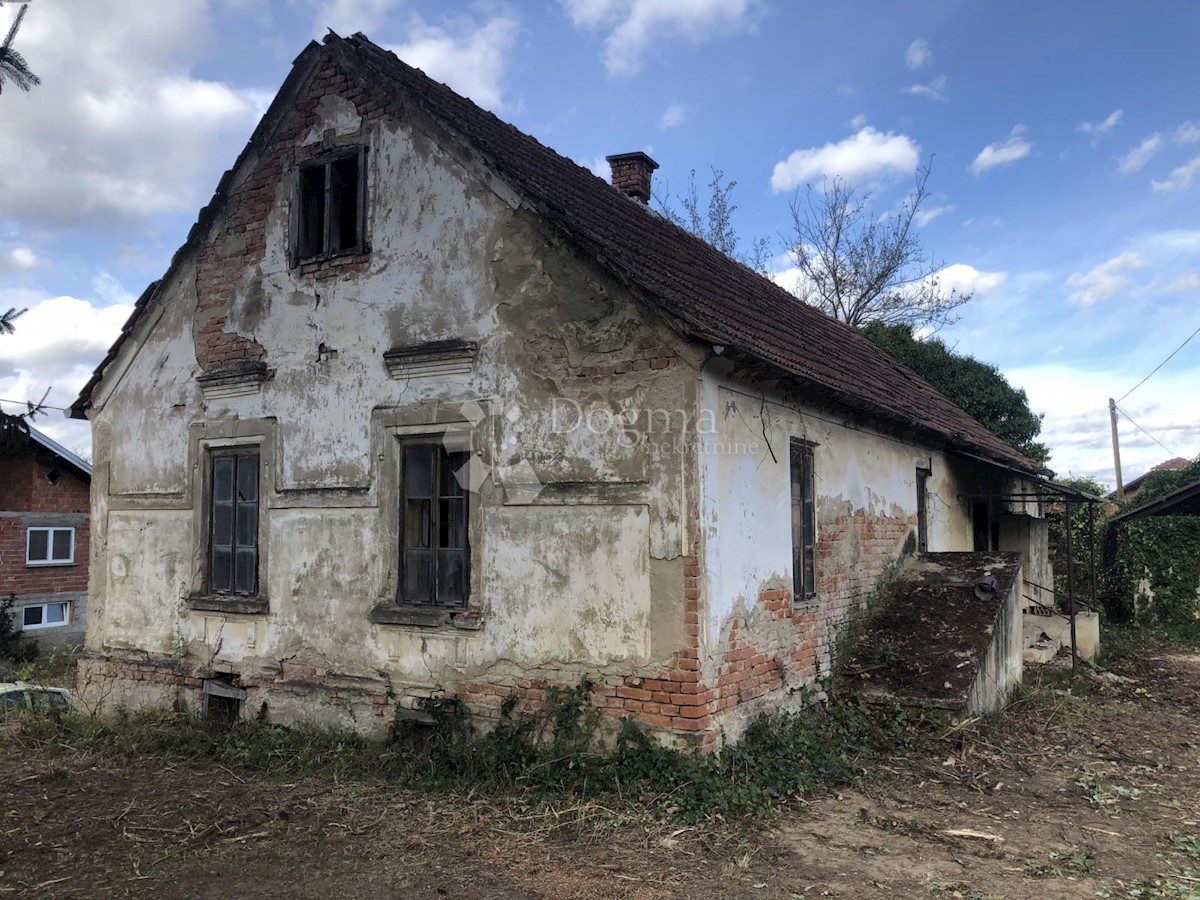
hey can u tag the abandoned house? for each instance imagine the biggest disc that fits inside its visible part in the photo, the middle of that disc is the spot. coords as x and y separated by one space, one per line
422 407
43 534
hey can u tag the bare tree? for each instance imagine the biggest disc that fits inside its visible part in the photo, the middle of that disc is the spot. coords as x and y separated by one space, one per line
13 68
861 267
713 221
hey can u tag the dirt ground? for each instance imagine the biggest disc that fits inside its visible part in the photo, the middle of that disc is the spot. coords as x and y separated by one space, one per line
1063 796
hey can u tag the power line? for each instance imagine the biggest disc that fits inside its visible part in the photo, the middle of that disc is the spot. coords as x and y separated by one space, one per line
31 403
1159 366
1145 432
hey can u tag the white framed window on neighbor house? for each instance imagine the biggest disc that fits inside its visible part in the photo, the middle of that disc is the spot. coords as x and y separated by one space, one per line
46 546
45 615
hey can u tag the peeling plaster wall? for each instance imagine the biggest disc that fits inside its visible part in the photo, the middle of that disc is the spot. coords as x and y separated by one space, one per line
585 577
757 647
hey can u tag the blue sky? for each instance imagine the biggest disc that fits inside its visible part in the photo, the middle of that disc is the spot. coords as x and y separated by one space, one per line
1065 141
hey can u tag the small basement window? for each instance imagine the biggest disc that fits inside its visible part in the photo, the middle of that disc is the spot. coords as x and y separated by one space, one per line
330 203
44 615
49 546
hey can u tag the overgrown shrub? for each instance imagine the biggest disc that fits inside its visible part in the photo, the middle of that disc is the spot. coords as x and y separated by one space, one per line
550 752
12 648
1163 551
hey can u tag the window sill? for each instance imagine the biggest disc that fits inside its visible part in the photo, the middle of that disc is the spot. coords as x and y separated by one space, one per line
430 617
311 264
49 564
807 605
247 606
44 627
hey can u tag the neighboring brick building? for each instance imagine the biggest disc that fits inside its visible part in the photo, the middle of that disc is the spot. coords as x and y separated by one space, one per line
44 515
424 408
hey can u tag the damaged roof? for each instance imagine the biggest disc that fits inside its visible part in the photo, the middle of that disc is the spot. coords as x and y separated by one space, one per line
717 299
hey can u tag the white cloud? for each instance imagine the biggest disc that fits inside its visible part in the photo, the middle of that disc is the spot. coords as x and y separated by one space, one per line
470 59
635 25
58 343
1074 399
925 216
933 90
1187 283
18 259
121 127
1135 159
1187 133
1097 130
965 279
864 156
858 121
1002 153
791 279
1105 280
918 54
960 277
111 291
673 116
1181 178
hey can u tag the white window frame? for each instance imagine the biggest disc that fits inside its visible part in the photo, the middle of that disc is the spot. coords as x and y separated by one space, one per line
50 530
65 604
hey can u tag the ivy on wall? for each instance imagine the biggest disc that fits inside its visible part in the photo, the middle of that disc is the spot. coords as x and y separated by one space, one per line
1163 551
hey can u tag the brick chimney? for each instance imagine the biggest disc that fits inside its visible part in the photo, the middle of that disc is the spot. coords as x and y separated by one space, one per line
631 173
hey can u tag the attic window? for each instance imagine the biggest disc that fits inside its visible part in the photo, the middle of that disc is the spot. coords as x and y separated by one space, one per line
329 207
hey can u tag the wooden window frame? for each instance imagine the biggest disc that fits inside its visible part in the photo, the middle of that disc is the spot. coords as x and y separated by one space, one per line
441 453
236 453
49 560
924 473
802 482
326 161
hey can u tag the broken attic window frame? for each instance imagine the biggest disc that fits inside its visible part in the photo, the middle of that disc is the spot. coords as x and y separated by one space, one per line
330 206
435 547
804 523
234 503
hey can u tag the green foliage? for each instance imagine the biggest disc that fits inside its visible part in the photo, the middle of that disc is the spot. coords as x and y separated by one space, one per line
1080 541
550 752
977 387
1165 550
1161 482
12 648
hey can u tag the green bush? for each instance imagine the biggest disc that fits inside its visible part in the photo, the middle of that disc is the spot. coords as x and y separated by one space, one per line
1165 550
551 752
12 648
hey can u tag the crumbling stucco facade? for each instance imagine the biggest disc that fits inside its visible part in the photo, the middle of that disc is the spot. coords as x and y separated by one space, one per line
628 487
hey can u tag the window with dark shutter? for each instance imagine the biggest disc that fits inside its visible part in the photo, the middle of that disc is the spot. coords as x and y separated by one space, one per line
233 524
433 526
804 529
330 203
923 509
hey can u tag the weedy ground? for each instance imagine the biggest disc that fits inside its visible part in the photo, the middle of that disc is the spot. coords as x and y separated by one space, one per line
1085 786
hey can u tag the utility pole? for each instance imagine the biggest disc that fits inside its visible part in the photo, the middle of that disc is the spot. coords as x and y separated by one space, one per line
1112 414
